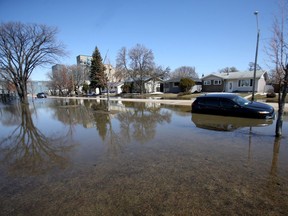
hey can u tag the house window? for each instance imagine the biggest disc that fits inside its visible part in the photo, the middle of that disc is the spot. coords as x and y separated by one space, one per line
217 82
207 82
176 84
245 83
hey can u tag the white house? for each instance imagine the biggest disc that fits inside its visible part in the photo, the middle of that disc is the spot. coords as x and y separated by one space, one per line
235 82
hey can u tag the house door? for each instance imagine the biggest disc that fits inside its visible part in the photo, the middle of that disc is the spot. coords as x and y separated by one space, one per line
161 87
230 86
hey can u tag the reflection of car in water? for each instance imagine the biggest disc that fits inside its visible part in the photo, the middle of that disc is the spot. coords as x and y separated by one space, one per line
226 123
229 104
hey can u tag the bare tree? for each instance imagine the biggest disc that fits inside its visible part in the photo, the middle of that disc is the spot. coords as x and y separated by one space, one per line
61 80
122 71
251 66
137 64
278 51
23 47
160 72
184 72
228 70
77 76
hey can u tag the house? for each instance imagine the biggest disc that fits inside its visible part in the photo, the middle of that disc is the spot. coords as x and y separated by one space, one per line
150 85
153 85
172 85
234 82
7 91
116 87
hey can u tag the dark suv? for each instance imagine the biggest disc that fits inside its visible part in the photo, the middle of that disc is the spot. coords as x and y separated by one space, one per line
229 104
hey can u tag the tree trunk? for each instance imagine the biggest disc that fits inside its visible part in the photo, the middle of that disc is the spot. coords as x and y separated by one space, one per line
22 92
281 104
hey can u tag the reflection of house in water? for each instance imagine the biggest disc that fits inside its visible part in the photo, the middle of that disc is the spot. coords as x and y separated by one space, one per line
89 124
119 106
97 105
152 105
90 110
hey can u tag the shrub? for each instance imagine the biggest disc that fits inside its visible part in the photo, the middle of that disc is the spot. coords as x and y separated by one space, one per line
186 84
271 95
126 88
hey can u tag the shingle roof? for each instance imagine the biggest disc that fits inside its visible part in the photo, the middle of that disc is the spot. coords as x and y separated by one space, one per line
237 75
177 79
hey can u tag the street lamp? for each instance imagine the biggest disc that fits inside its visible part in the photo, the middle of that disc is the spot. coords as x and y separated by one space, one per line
256 56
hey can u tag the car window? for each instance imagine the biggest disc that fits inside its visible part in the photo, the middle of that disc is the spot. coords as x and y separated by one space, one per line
212 102
241 101
227 103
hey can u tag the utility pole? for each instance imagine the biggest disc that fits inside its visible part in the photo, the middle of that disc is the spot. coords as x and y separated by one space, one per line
256 56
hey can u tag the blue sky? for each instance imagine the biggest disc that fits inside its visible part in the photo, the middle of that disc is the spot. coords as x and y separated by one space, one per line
208 34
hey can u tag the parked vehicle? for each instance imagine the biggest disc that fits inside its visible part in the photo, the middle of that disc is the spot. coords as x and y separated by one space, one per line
229 104
41 95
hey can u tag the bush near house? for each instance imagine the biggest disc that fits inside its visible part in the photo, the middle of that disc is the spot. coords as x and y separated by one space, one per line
271 94
126 88
186 84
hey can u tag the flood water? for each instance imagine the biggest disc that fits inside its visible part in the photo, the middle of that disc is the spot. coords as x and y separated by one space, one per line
71 157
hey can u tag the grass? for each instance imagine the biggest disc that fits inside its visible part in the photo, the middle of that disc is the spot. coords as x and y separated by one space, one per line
270 100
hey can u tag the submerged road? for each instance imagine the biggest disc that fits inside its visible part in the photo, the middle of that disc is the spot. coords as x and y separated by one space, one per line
154 100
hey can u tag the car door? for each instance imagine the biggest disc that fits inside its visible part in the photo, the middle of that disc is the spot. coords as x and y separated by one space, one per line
212 105
229 107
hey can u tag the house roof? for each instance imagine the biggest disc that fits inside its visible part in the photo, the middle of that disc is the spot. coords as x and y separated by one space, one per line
177 79
115 84
145 79
237 75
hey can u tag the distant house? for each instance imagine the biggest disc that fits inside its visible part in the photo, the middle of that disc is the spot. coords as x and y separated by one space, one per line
7 90
172 85
151 85
234 82
116 87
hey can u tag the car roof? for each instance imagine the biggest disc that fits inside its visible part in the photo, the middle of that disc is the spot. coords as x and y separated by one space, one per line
218 95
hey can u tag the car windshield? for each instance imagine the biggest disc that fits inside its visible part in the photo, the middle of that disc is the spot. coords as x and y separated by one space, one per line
241 101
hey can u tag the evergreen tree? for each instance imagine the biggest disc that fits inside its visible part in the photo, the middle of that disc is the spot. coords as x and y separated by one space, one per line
97 76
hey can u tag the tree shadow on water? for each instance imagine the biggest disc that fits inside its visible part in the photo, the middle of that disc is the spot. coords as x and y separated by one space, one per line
28 151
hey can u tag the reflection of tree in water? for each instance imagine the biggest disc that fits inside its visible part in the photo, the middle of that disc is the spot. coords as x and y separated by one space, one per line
88 113
72 112
10 114
274 192
28 151
101 117
140 122
276 149
136 122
